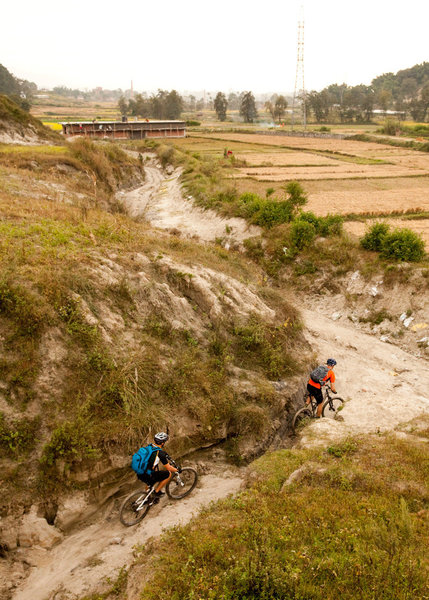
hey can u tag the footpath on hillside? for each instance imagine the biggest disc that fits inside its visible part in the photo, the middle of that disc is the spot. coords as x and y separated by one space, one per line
382 384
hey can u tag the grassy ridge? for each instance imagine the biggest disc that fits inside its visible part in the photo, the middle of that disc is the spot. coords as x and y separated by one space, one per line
352 525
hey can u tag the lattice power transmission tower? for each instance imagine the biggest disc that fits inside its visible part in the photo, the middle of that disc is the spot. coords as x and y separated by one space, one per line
299 91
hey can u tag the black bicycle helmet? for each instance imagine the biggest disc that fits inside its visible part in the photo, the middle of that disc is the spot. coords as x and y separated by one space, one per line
161 437
331 362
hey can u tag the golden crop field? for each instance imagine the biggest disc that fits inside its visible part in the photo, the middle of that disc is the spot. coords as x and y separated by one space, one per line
339 176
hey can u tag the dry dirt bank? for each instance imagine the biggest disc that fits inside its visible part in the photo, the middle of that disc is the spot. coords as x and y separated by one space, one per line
161 203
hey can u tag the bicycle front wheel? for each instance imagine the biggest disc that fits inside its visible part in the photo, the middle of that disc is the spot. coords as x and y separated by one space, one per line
332 406
301 419
132 511
182 484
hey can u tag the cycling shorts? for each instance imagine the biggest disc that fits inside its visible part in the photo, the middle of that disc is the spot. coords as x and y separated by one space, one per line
154 477
316 393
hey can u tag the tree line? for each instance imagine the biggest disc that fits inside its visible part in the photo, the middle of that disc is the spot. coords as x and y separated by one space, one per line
163 105
406 92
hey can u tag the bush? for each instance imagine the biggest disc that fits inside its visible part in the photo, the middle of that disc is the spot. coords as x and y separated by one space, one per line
373 238
249 204
330 225
403 244
390 127
302 234
274 213
324 226
310 217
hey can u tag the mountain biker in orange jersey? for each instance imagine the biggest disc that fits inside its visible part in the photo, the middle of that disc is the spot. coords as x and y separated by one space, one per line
164 476
315 389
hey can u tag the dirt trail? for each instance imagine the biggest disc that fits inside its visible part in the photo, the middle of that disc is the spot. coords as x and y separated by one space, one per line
382 384
160 202
81 564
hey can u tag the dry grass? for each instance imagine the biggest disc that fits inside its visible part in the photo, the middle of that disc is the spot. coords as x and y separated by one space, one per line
283 158
314 144
336 170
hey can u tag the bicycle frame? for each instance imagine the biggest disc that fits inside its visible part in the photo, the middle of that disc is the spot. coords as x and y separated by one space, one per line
140 502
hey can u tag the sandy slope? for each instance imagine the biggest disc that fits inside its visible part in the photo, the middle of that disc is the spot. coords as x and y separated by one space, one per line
383 385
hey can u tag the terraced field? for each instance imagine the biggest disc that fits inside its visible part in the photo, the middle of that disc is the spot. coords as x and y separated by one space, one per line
339 176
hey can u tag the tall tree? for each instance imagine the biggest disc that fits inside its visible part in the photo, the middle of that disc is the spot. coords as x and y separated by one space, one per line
280 107
173 105
248 107
220 106
122 105
269 107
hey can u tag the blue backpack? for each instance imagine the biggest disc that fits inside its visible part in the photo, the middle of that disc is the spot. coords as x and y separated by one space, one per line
141 458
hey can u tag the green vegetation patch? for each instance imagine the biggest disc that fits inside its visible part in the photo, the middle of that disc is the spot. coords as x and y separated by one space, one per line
18 438
399 244
352 525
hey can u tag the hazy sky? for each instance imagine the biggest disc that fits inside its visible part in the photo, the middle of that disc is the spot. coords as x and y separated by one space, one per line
218 45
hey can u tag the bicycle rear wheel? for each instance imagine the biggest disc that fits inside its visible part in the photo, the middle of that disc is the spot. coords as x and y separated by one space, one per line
132 511
183 484
332 406
301 419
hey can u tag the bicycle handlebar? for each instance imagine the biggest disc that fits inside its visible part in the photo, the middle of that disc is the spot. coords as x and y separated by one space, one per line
173 462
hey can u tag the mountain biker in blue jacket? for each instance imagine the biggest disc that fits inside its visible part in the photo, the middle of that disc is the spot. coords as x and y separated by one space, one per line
160 456
315 388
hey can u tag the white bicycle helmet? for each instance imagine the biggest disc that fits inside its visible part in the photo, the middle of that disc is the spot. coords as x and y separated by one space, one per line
161 437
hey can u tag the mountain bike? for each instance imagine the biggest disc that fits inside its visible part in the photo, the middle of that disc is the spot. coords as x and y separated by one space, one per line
136 506
332 405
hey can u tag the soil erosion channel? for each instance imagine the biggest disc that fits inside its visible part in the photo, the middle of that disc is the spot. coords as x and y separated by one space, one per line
381 385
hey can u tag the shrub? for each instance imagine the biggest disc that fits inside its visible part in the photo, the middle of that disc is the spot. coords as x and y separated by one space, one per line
167 155
330 225
390 127
403 244
296 194
373 238
302 234
274 213
324 226
310 217
249 204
